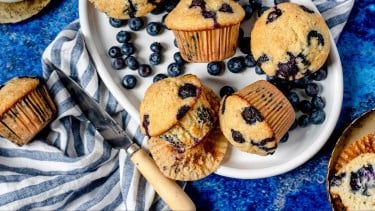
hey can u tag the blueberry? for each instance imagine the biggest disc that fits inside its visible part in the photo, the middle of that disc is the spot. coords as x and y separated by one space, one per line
237 136
315 35
159 9
301 83
178 58
303 120
116 22
258 70
293 99
144 70
249 60
136 23
163 21
153 28
273 15
270 79
158 77
208 14
226 90
169 5
262 10
248 11
255 4
317 117
244 45
312 89
187 90
155 58
118 63
129 81
320 75
114 52
355 182
127 49
174 69
337 179
131 62
182 111
123 36
241 34
175 43
318 102
294 125
236 64
305 106
226 8
214 68
251 115
284 138
156 47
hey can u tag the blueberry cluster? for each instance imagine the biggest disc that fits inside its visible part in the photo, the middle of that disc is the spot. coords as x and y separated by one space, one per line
123 54
304 95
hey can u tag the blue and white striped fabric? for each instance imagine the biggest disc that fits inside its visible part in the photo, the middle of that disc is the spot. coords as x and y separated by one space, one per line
69 165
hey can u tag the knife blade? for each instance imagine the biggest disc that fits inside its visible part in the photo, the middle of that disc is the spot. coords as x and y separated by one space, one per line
112 132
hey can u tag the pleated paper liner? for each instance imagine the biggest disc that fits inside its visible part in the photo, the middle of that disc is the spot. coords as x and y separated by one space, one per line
192 164
272 104
365 144
356 139
208 45
21 122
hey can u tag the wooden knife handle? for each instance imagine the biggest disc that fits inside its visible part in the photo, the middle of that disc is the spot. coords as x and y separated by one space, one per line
168 190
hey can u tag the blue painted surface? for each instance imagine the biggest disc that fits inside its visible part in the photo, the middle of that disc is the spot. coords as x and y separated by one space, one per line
22 45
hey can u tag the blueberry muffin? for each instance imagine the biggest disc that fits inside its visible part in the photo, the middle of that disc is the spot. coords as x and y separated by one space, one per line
206 30
178 110
290 41
25 109
125 9
192 164
353 186
255 118
16 11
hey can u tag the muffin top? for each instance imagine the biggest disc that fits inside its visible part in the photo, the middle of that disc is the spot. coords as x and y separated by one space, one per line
192 15
166 102
125 9
290 41
14 90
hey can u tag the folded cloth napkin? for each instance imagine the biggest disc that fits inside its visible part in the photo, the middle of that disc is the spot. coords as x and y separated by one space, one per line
69 165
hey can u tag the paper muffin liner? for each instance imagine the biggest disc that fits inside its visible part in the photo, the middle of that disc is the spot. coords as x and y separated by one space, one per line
208 45
192 164
366 144
28 116
272 104
196 123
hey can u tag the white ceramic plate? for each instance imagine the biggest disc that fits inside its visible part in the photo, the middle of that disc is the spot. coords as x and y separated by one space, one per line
302 144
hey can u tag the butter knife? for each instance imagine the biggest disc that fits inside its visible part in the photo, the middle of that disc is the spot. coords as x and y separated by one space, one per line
172 194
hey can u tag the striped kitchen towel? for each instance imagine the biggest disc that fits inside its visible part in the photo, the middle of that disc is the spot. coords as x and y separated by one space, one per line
69 166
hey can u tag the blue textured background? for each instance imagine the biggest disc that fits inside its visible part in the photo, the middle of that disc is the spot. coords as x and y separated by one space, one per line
22 45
